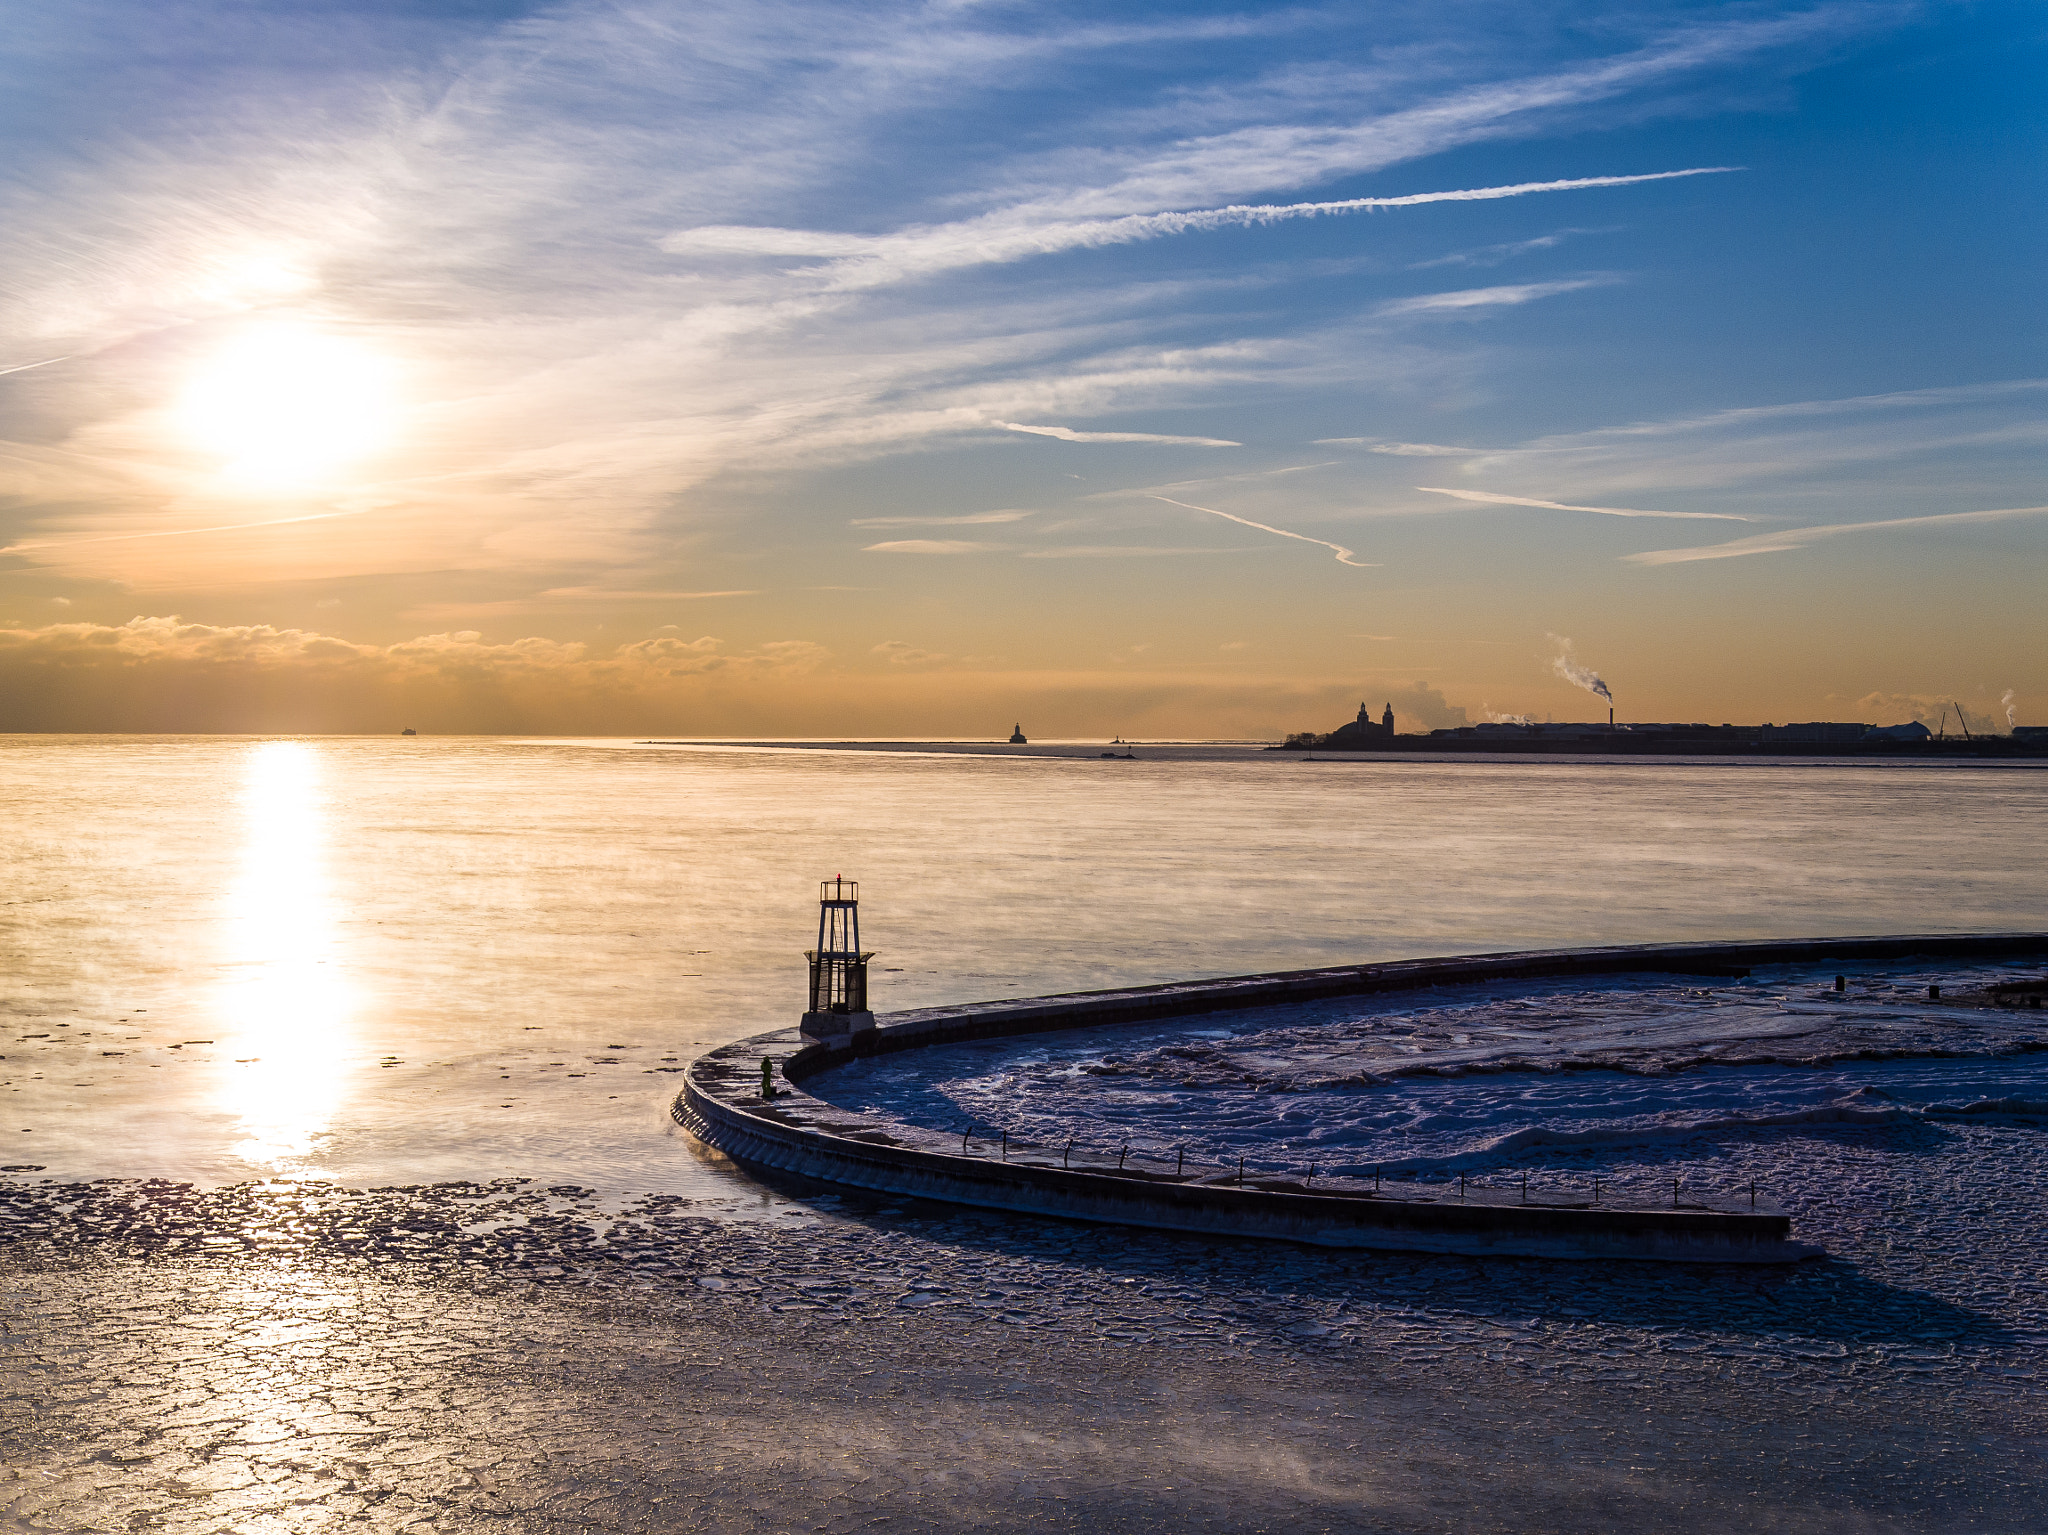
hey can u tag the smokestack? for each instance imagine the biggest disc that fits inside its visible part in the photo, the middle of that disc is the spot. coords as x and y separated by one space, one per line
1610 719
1578 676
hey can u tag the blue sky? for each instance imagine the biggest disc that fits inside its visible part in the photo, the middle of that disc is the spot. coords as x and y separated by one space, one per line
872 369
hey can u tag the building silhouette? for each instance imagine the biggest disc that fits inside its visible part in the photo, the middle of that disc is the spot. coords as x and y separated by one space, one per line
1364 733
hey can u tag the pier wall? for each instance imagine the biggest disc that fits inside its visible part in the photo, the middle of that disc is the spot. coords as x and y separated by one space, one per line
796 1132
1138 1004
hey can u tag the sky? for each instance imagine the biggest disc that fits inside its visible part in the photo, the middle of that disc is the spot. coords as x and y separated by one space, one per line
1201 370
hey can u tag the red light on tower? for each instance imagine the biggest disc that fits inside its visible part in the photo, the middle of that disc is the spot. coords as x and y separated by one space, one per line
839 967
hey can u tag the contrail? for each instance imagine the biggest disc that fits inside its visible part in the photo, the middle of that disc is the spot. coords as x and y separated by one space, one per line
231 527
862 261
23 367
1799 538
991 238
1141 224
1495 498
1344 556
1068 434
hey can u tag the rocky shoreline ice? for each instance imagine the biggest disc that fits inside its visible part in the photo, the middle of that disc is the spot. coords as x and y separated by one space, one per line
535 1357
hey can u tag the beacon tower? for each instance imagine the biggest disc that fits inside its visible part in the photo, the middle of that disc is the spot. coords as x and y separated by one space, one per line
839 966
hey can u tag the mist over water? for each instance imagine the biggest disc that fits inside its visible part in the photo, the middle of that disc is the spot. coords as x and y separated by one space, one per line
401 961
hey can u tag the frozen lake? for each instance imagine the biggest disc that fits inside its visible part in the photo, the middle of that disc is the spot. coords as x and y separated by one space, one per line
402 1020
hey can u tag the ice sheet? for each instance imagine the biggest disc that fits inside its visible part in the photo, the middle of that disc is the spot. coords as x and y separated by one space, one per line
1473 1078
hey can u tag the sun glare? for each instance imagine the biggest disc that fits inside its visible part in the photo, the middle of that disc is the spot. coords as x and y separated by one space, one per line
287 403
285 1004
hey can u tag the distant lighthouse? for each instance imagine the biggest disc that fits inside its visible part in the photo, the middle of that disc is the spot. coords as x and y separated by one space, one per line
1017 735
839 967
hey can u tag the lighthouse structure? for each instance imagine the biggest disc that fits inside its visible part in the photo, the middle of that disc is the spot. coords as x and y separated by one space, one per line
839 967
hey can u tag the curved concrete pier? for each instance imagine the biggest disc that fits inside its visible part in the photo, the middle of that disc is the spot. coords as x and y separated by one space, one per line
796 1132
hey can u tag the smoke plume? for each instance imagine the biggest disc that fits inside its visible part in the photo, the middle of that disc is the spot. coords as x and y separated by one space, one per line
2012 713
1567 666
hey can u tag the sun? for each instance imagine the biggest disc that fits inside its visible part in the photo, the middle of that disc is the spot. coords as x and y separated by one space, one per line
287 403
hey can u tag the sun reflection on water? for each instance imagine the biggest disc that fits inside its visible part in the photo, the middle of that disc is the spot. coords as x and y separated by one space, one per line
285 1006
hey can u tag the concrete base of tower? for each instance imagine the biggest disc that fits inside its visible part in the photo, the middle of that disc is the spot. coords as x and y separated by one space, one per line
835 1026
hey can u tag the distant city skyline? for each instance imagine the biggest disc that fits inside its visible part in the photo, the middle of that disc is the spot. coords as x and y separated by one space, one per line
785 368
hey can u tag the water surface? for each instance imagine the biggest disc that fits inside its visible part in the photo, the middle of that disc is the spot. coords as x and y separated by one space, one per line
388 961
